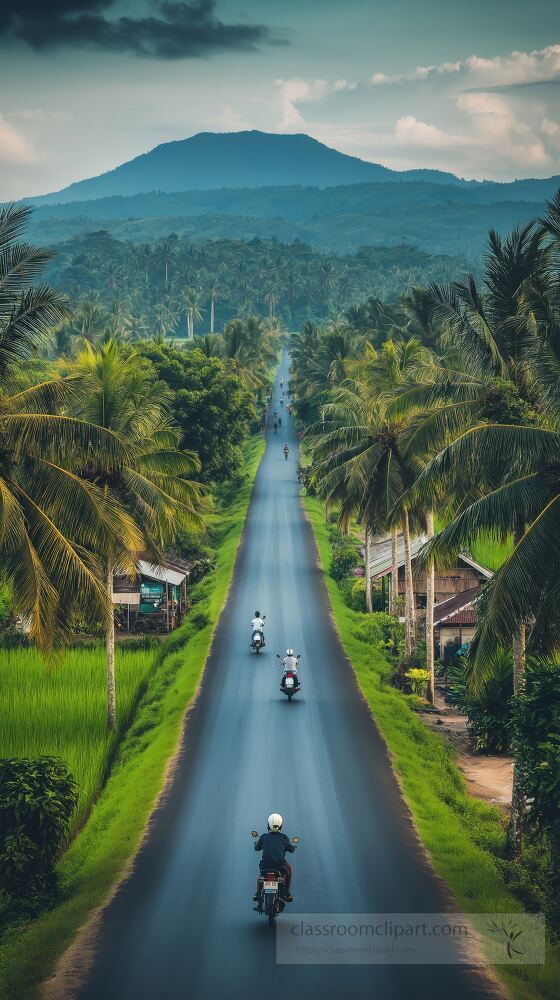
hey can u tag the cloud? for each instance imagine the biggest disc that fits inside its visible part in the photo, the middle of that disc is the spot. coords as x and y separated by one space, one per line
412 132
176 30
478 117
515 69
14 147
297 91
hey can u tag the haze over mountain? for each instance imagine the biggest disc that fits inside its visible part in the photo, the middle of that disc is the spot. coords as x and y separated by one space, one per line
243 185
213 160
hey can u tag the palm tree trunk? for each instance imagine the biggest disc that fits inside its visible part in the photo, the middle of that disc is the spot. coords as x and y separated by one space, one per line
517 793
110 648
410 615
518 804
212 315
367 548
430 595
394 592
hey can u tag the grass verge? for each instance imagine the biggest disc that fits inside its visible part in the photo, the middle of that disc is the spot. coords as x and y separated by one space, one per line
464 836
110 837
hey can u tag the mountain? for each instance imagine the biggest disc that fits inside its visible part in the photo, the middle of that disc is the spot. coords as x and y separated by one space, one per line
213 160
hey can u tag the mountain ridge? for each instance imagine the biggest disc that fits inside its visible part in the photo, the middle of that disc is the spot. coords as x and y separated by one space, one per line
250 159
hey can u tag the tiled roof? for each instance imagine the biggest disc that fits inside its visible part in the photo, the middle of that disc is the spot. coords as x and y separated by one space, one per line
449 611
466 617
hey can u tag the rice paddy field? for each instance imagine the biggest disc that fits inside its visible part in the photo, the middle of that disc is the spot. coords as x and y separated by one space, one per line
60 710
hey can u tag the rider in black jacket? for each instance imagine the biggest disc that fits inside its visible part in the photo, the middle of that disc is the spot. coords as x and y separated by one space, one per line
274 845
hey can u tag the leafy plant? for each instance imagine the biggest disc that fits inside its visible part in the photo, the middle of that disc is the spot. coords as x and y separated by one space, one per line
418 679
37 799
344 557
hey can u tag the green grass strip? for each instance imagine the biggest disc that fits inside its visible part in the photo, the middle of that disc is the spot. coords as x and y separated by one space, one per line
463 835
101 851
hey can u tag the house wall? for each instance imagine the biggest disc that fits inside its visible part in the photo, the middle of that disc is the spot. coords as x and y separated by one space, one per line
454 635
448 582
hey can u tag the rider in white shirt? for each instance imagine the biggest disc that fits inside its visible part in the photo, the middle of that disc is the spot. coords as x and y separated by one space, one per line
290 665
257 623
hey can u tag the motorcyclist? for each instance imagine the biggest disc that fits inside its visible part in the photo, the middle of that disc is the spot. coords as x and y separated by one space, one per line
275 425
279 421
286 452
274 845
290 665
257 625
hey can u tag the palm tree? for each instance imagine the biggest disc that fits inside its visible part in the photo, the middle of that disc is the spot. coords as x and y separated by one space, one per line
120 394
193 310
55 527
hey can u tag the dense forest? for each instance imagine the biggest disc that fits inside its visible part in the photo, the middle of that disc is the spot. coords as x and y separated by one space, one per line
148 290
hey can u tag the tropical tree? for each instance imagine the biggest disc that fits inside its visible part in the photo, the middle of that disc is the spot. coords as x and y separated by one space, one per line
120 393
54 526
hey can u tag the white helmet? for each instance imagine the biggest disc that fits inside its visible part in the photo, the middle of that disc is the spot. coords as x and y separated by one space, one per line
274 823
289 652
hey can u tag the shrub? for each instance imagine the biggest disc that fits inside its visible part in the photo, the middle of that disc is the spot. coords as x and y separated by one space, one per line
344 557
418 679
489 713
37 799
536 726
383 631
353 590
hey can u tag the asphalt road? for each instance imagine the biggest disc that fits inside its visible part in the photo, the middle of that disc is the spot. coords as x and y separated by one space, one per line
183 924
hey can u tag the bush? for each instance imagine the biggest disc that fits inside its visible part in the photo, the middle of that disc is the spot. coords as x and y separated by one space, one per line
344 557
383 631
37 799
198 620
418 680
353 590
490 713
536 726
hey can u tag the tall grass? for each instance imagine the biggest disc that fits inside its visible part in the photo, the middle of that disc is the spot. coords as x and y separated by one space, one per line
61 710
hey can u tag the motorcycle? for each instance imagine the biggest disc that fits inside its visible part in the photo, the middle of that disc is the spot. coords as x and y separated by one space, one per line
271 901
257 642
290 681
257 639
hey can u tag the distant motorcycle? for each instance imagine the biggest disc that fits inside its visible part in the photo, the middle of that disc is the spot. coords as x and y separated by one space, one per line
257 638
271 901
257 641
290 684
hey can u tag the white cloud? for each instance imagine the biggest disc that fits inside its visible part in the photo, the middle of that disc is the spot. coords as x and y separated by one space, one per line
516 68
295 91
408 130
14 147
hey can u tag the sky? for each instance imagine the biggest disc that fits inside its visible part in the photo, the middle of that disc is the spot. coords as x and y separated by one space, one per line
468 87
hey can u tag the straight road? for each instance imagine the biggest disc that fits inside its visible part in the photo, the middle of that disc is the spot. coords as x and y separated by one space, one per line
183 925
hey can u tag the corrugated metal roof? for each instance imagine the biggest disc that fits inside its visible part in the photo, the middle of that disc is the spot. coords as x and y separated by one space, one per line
380 557
165 573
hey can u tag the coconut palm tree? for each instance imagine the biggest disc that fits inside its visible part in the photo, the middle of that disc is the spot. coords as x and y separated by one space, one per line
54 526
120 394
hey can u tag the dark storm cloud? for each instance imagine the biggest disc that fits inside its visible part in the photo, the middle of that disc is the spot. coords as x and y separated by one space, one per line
174 31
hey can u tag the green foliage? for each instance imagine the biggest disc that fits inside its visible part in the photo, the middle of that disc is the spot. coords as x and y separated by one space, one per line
536 722
344 557
353 590
37 799
382 631
418 680
489 710
210 404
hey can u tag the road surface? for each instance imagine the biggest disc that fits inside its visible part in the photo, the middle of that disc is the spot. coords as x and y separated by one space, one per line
183 925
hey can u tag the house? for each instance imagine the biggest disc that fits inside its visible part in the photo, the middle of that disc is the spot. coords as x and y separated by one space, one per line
154 598
455 622
456 590
465 574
